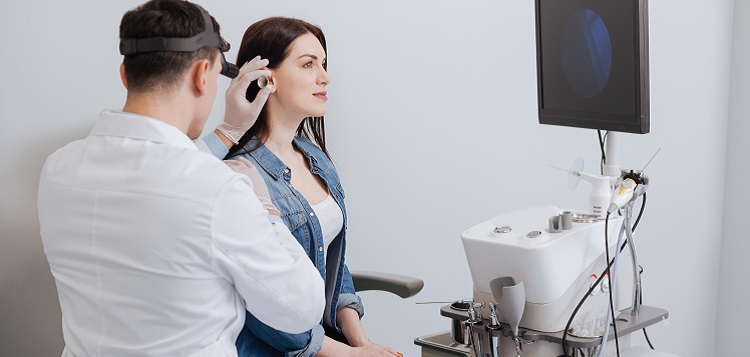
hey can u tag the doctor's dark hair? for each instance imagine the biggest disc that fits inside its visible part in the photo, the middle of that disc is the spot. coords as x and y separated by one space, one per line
271 39
163 18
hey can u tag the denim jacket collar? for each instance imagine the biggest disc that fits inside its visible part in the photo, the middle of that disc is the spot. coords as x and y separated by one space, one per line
275 167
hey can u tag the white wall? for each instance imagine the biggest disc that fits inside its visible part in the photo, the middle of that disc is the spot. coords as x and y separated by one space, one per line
432 122
732 308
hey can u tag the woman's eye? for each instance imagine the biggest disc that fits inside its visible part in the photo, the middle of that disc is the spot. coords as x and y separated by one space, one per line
308 64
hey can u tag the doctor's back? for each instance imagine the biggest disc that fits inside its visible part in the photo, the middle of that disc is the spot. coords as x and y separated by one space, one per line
138 236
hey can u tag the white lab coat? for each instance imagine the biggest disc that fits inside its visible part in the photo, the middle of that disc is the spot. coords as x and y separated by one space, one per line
158 248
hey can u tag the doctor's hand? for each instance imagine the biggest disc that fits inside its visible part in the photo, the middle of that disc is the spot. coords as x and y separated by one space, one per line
245 167
240 114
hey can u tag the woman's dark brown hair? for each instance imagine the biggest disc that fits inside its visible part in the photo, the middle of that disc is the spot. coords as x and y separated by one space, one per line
270 39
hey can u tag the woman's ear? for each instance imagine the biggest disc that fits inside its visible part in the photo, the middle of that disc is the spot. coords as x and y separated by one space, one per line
272 83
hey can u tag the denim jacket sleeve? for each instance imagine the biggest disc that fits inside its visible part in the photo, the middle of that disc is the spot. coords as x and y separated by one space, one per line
211 144
305 344
347 296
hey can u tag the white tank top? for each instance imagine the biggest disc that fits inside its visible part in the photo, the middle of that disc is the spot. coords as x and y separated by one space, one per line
331 219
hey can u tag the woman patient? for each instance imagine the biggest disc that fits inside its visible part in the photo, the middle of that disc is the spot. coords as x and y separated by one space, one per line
287 146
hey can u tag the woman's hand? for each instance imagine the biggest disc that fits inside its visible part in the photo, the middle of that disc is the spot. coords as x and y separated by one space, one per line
333 348
240 114
373 350
348 320
245 167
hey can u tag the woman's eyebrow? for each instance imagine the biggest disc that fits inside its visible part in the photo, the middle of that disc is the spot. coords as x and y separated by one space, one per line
309 55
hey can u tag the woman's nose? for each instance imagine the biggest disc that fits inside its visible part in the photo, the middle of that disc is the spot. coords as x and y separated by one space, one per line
323 77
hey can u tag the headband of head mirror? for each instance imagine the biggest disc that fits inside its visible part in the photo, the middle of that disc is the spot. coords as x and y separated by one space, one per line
207 38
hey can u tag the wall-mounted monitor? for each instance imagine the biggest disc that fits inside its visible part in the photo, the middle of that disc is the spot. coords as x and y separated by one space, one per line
592 64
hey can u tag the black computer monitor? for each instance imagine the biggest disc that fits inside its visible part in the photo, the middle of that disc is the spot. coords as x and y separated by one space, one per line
592 64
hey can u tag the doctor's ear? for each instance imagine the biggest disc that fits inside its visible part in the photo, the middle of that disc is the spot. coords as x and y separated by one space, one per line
123 78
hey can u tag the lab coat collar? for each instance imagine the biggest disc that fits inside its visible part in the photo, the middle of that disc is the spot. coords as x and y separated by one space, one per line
129 125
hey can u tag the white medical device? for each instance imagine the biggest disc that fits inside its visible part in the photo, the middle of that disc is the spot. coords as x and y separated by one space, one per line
557 268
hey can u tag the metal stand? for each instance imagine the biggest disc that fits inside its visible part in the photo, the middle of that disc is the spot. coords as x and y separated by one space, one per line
442 345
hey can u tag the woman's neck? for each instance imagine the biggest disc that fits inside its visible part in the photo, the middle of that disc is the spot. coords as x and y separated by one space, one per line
281 135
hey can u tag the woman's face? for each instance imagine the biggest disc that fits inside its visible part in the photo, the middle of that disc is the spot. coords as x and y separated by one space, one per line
301 80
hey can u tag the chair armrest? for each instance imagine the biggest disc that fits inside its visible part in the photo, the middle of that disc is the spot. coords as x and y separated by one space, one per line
403 286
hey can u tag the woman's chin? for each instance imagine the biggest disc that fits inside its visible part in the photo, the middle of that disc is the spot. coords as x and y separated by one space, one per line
318 113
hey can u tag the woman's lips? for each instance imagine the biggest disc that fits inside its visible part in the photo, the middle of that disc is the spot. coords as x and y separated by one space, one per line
321 95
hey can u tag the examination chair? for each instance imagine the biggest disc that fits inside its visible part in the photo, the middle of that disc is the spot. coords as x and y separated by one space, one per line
403 286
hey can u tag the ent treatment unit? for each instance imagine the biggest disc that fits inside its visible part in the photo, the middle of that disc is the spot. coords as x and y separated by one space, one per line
551 281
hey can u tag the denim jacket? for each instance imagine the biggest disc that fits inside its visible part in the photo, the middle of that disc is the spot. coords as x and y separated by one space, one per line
257 339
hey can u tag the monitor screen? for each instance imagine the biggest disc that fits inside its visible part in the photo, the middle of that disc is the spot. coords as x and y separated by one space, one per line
592 64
